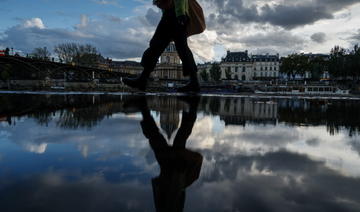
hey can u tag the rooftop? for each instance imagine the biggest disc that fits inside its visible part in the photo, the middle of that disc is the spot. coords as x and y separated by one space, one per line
236 57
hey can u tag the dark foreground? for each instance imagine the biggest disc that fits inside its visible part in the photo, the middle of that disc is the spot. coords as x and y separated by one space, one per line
166 153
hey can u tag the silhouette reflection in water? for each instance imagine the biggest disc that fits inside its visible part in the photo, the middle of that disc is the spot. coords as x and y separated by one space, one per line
179 167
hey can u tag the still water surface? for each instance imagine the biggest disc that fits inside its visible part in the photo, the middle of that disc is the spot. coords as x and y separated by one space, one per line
166 153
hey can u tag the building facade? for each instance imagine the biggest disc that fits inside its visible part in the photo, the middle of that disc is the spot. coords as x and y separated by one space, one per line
170 67
236 66
244 67
265 67
127 67
239 111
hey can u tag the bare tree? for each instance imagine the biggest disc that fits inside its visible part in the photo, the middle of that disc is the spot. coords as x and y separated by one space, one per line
41 53
66 52
84 55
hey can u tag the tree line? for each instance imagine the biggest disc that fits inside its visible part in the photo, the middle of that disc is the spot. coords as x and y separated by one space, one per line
72 53
341 64
213 74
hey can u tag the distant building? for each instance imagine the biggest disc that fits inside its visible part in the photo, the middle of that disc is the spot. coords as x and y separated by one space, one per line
170 67
265 67
236 66
128 67
169 122
241 66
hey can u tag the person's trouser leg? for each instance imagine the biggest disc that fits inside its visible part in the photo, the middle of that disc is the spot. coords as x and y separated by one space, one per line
185 54
187 124
158 43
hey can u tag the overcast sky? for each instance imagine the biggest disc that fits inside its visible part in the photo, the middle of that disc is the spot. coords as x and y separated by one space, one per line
121 29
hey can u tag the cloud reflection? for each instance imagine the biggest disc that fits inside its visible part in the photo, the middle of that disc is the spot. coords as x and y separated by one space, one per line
246 167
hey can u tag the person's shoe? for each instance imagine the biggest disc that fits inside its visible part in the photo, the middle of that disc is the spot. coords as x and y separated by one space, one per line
139 83
190 87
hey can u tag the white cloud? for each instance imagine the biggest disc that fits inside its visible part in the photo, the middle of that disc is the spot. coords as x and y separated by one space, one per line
34 22
336 151
36 148
84 21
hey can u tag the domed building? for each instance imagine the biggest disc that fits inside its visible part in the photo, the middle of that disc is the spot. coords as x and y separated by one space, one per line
170 67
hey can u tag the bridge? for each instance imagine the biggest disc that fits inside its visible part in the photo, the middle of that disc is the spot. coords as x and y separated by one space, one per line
21 68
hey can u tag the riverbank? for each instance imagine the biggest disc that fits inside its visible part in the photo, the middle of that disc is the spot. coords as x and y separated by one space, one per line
215 94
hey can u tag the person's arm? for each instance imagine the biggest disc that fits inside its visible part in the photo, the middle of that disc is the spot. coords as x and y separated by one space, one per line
181 7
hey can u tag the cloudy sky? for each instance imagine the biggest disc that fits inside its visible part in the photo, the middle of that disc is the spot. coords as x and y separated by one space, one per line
121 29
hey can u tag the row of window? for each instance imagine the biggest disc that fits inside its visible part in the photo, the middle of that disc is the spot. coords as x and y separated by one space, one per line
243 69
262 74
266 68
266 74
269 64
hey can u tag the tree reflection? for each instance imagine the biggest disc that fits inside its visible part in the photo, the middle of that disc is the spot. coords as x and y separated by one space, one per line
87 111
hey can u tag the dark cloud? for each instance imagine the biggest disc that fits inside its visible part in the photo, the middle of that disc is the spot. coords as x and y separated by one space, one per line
281 41
277 38
288 14
318 37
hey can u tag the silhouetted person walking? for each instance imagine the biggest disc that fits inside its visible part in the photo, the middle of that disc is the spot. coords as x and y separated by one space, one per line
179 167
172 27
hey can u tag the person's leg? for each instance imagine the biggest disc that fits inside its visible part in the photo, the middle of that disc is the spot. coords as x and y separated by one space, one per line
187 58
187 122
158 43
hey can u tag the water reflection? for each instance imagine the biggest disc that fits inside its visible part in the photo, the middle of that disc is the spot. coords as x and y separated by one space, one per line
179 167
126 153
87 111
